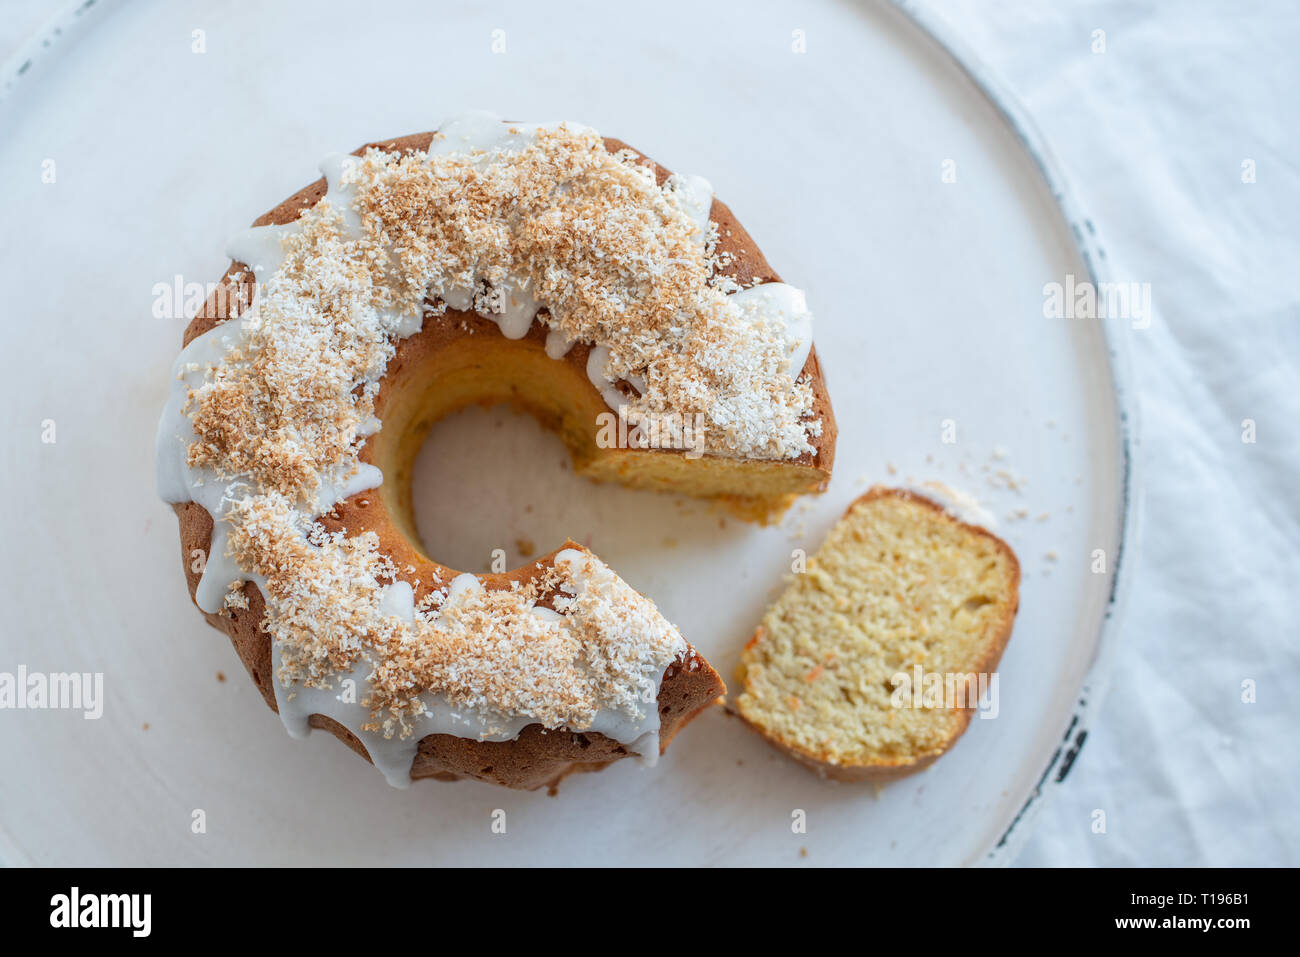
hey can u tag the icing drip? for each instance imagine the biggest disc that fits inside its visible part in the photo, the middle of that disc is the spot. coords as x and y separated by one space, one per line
785 310
694 195
558 344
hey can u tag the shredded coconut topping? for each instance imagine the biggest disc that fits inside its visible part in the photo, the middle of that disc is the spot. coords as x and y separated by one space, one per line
495 651
613 260
290 404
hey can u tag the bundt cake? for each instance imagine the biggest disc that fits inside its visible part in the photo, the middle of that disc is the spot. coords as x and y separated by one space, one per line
872 662
487 262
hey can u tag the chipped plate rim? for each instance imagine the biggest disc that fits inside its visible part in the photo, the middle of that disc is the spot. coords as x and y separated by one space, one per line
1089 245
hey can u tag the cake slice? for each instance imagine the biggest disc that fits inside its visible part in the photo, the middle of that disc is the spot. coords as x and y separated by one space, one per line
869 666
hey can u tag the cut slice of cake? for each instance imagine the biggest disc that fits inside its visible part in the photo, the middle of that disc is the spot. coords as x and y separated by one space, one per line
871 664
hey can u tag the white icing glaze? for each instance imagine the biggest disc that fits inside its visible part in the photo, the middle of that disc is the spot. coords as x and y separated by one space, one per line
260 248
558 344
513 308
694 195
483 131
596 362
787 310
518 307
399 600
339 194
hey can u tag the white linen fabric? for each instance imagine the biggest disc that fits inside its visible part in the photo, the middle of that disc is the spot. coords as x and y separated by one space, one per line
1178 128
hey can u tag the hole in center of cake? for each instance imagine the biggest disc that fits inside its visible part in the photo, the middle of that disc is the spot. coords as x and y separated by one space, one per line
493 483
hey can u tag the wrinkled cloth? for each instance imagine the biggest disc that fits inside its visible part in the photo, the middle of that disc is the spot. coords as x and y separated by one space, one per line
1192 756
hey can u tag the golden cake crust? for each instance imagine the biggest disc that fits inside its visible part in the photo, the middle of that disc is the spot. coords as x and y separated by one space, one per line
537 757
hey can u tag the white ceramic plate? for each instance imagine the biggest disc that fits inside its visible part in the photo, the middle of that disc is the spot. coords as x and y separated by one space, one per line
929 303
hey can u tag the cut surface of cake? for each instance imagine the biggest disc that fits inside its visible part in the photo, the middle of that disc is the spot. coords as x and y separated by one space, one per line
872 662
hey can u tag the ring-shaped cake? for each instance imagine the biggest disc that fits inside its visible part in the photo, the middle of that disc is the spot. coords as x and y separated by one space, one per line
487 262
